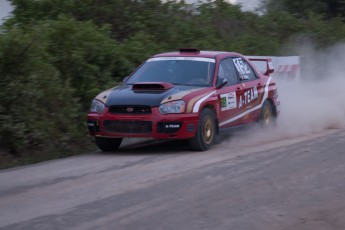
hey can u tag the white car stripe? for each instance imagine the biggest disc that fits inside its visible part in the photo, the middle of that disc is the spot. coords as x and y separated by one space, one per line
250 110
182 58
198 103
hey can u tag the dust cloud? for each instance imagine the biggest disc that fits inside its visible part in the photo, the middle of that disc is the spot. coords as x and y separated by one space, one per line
309 105
317 101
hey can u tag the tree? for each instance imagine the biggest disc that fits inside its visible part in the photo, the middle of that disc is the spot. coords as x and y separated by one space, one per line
328 8
37 108
56 55
49 72
84 54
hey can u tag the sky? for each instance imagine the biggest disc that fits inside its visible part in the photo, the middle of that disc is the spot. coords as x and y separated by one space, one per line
5 9
248 5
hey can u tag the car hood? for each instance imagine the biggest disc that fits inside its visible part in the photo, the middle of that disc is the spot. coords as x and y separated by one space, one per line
127 95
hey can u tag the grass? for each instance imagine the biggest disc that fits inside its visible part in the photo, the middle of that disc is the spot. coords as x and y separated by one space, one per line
8 160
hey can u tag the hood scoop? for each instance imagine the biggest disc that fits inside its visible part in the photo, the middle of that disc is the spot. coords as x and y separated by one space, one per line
155 86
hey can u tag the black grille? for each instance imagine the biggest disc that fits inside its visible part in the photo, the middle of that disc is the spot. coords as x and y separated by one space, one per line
130 109
128 126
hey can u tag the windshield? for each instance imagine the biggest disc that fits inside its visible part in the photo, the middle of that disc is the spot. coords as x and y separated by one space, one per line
176 70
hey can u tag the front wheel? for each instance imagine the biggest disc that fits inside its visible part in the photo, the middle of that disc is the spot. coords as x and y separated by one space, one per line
206 132
108 144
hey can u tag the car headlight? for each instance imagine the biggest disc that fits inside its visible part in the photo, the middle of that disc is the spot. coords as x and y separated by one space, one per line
97 106
172 107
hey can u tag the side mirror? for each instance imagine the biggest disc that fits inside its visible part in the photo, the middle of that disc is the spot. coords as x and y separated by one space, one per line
221 82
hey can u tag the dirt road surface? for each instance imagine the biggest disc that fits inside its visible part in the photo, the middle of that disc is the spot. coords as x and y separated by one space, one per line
294 183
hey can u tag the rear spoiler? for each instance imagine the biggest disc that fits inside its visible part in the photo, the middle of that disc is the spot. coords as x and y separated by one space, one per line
286 67
265 63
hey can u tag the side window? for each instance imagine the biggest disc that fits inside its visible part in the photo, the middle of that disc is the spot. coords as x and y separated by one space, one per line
244 69
227 70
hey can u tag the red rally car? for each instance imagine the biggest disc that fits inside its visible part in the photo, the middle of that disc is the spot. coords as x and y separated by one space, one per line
189 94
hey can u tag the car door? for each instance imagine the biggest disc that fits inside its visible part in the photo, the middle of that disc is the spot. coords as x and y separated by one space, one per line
228 96
252 93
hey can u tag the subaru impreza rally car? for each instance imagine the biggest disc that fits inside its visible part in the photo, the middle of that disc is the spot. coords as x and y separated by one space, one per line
189 94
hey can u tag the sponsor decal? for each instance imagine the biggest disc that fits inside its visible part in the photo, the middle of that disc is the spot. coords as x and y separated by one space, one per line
169 127
248 97
228 101
252 109
172 126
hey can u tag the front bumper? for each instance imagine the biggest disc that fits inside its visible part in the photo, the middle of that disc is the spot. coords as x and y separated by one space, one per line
153 125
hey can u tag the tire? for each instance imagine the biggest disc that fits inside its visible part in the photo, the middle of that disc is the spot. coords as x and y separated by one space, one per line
108 144
267 118
206 133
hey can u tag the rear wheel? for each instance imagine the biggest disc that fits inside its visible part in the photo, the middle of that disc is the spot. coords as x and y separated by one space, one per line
206 132
267 117
108 144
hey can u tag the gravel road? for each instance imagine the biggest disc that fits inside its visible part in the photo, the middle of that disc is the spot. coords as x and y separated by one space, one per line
293 183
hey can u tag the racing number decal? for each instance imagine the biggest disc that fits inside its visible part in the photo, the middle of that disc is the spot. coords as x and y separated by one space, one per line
242 68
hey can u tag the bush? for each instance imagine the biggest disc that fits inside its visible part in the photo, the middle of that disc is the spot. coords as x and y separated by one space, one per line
49 72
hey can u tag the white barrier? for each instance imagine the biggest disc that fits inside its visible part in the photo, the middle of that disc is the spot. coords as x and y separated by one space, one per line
287 67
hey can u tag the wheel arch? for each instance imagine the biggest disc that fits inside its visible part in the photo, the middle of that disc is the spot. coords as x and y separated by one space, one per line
213 109
274 108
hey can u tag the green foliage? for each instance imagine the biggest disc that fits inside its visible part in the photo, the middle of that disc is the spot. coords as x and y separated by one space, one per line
37 108
325 32
83 54
56 55
49 72
302 8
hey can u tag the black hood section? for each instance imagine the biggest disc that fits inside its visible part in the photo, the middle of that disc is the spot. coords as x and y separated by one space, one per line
125 95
